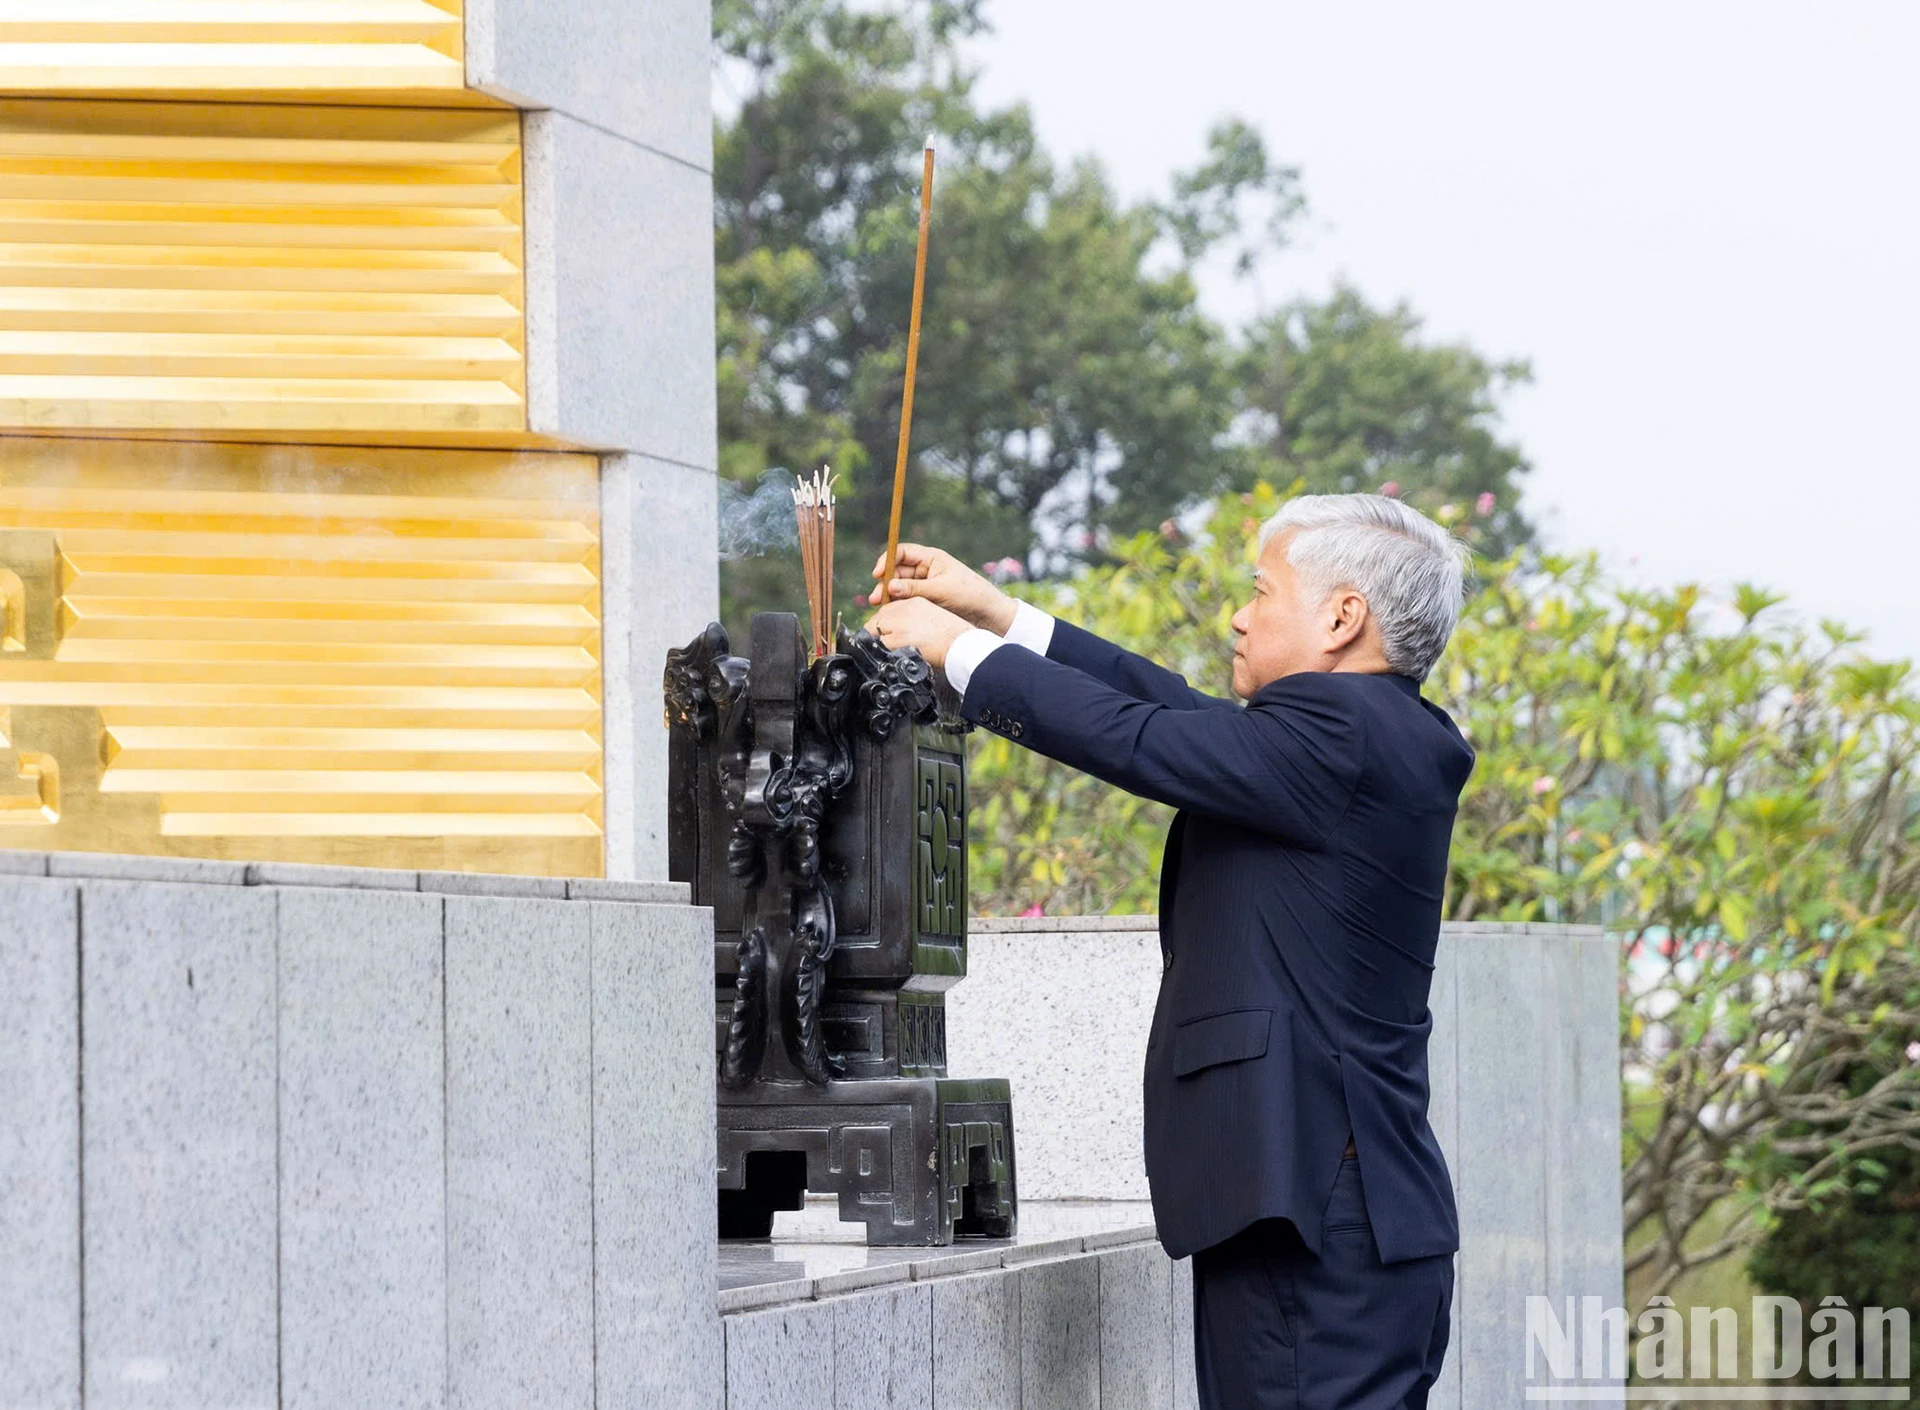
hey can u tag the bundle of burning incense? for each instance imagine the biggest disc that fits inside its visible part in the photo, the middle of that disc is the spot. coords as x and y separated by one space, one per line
813 513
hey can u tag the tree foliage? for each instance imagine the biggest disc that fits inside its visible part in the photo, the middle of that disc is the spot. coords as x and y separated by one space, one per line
1071 389
1865 1247
1732 794
1348 398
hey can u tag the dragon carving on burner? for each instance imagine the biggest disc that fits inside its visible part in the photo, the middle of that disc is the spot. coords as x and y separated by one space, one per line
781 761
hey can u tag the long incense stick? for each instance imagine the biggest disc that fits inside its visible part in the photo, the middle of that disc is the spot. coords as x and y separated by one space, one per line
913 364
813 515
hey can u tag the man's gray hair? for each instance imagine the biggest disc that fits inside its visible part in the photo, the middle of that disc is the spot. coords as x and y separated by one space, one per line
1411 571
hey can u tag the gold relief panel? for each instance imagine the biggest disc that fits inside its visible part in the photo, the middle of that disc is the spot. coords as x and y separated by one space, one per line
388 51
262 272
298 653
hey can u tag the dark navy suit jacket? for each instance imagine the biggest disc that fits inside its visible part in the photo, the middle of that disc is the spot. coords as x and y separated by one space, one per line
1300 905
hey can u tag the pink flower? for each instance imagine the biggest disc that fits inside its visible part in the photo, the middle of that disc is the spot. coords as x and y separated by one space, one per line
1543 785
860 600
1391 489
1013 568
1668 947
1913 1052
1573 837
1483 506
1031 911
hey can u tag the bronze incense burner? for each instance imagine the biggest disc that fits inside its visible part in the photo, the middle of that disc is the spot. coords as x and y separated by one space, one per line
820 810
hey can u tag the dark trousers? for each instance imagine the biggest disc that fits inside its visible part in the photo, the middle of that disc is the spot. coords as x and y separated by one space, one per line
1275 1328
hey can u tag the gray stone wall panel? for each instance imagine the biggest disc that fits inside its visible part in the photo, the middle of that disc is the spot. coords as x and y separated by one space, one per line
620 314
179 1184
1584 1246
519 1154
781 1359
363 1233
39 1143
660 586
1073 1046
1136 1329
655 1257
883 1349
1060 1333
1186 1392
1502 1172
976 1342
639 69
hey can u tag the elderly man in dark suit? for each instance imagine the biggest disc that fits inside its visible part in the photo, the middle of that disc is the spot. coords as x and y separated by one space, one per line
1287 1142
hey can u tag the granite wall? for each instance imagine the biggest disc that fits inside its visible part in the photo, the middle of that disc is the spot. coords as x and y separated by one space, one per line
1526 1101
294 1136
1098 1322
339 1138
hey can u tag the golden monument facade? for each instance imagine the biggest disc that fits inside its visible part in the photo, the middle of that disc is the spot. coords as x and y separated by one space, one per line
285 574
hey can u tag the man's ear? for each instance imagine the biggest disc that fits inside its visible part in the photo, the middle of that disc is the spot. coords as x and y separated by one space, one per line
1349 618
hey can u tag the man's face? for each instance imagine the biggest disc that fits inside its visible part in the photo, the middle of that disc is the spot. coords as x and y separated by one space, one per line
1277 634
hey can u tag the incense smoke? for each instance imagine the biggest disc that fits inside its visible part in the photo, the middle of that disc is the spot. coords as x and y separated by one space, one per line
759 523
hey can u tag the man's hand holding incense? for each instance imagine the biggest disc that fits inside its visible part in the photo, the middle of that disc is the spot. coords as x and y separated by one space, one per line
936 576
919 623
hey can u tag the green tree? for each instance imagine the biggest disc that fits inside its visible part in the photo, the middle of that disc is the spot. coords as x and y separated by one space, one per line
1071 390
1348 397
1066 379
1864 1246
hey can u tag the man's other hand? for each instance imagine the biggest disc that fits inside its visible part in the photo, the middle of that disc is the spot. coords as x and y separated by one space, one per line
918 623
936 576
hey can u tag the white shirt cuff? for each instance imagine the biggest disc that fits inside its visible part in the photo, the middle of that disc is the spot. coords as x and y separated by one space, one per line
1031 628
969 649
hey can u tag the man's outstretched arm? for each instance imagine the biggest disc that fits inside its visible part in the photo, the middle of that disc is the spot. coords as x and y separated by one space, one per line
1124 670
938 577
1287 766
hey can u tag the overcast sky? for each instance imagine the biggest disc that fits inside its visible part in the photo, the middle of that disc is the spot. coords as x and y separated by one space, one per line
1696 218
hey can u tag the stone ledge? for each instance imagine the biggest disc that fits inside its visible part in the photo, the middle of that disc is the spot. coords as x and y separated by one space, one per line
1121 925
1056 925
112 866
115 866
480 883
351 878
874 1275
817 1272
646 893
757 1295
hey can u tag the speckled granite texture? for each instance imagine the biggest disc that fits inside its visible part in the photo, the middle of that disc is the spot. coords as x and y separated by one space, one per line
404 1140
1081 1311
39 1142
310 1142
